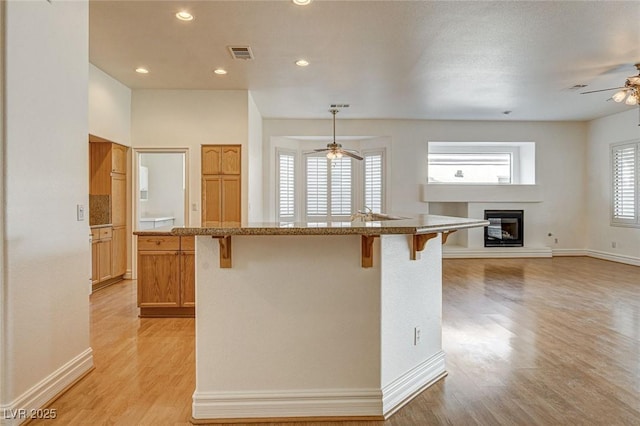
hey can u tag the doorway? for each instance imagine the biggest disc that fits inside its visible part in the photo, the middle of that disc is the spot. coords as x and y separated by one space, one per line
161 195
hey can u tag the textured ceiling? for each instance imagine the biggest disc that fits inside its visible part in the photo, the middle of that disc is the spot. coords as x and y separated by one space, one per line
388 59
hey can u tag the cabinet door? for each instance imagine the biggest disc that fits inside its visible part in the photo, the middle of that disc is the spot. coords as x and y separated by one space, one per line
211 199
231 198
118 200
158 279
119 256
211 155
230 160
95 258
188 278
118 158
104 260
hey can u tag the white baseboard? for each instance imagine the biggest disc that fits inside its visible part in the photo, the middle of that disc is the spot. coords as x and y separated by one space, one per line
290 403
629 260
47 389
127 275
407 386
456 252
569 252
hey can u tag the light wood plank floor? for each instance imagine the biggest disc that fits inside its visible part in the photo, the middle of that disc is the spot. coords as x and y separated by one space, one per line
528 341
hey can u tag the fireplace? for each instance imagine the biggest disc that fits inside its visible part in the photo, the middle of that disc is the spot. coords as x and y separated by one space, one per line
505 228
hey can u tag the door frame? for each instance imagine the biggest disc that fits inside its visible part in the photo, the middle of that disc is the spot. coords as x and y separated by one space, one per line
135 199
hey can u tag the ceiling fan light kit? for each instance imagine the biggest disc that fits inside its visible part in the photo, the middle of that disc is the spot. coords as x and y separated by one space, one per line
334 150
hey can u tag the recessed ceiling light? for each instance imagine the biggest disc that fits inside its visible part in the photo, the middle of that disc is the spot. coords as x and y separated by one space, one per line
220 71
141 70
301 2
184 16
302 62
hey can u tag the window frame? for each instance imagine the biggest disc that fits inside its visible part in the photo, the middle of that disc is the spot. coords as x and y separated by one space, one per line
618 221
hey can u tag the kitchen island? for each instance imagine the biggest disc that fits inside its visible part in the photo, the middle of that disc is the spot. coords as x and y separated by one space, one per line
317 320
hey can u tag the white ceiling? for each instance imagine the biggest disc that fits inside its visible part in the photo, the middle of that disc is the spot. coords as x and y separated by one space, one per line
388 59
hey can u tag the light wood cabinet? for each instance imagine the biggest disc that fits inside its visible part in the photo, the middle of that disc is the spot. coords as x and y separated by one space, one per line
166 276
221 184
101 253
108 185
118 200
119 251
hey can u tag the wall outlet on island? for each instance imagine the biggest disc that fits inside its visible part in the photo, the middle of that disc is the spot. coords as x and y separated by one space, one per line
417 335
614 244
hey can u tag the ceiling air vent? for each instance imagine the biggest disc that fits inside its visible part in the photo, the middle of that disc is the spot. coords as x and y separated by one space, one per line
241 52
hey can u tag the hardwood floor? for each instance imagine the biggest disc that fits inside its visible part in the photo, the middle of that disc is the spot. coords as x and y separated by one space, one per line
527 341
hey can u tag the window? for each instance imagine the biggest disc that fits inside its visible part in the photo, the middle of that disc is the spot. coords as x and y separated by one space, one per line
487 163
625 159
328 190
286 185
373 180
472 167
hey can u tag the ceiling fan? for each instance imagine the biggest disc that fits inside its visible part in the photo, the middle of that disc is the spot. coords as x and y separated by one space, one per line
630 90
334 149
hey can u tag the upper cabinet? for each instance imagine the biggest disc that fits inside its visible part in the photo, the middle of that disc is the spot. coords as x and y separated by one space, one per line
118 158
221 159
221 185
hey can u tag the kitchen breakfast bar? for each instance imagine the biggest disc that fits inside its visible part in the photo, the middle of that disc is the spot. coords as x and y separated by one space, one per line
318 320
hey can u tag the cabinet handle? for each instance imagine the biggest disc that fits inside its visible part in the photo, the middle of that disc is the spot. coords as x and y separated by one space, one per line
157 243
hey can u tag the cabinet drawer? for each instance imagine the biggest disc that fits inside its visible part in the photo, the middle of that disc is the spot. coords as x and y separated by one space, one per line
187 243
95 234
105 233
158 243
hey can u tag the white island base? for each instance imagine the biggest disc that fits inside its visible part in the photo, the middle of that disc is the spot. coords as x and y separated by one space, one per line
298 328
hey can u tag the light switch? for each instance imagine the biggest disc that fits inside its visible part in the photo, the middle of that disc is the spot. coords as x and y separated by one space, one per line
80 212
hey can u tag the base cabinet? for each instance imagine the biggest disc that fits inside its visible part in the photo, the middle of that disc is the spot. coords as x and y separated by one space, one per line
166 276
101 257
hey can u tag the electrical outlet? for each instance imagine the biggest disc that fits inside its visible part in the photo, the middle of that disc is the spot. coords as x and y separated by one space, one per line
555 240
417 335
80 212
194 207
614 244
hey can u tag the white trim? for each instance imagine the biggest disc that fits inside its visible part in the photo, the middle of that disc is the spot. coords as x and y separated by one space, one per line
410 384
620 258
48 388
569 252
288 403
456 252
128 275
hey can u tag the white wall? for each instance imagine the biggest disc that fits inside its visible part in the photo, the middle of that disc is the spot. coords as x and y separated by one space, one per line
189 119
47 253
255 196
560 157
109 107
602 133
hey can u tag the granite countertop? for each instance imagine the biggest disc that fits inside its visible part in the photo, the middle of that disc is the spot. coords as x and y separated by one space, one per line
417 224
163 230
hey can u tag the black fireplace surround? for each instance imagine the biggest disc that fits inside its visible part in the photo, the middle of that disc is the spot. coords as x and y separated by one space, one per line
505 228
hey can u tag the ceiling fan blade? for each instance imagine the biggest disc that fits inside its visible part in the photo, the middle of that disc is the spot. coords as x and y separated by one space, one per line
321 149
351 154
315 151
602 90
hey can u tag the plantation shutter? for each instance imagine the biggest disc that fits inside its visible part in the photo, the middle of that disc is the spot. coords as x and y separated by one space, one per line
373 181
341 194
625 183
317 186
286 186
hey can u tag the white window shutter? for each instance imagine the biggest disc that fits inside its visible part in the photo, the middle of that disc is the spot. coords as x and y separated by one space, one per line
286 186
625 183
373 195
341 186
317 190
